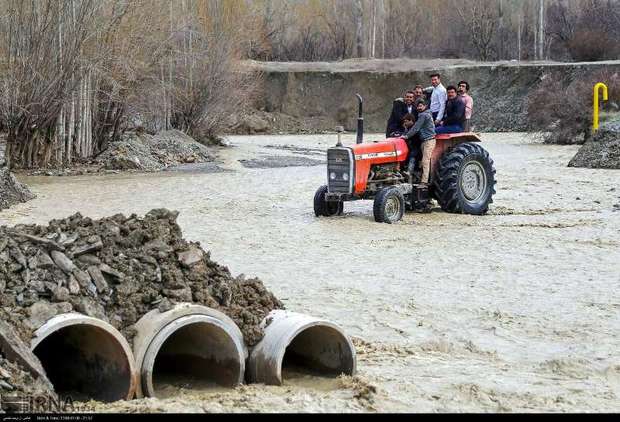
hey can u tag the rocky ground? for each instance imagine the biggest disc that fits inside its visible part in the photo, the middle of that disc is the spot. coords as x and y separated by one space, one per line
601 151
117 269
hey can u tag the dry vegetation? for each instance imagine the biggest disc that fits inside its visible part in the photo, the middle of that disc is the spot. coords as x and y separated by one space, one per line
74 74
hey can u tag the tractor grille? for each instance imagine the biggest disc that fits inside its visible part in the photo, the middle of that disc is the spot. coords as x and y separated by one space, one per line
340 162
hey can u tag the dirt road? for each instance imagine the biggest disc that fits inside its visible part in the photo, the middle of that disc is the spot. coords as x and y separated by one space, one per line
518 310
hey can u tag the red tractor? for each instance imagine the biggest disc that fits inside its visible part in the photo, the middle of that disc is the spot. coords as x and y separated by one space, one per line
462 177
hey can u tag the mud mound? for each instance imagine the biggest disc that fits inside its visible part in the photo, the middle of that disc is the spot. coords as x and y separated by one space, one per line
118 269
602 151
11 190
153 152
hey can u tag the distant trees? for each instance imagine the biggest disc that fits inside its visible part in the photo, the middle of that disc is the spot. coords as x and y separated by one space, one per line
476 29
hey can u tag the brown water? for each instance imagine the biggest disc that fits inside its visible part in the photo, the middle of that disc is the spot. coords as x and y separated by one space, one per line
518 310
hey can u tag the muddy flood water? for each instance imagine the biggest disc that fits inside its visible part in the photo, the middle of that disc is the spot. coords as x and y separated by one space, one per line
518 310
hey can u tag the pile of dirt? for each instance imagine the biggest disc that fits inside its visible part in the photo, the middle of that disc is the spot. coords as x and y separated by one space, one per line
144 152
117 269
11 190
602 151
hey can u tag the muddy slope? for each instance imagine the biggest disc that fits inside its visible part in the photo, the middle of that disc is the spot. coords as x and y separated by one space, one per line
321 95
601 151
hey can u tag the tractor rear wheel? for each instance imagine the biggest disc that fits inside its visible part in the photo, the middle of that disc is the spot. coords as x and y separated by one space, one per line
389 205
324 208
465 180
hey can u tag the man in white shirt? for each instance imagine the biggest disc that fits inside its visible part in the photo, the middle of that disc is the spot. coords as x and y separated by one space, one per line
439 96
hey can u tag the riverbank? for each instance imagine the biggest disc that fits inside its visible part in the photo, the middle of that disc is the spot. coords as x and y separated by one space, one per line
316 97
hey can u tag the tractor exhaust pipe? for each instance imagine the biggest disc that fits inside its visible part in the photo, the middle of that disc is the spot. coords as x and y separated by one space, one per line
188 343
360 119
86 358
300 343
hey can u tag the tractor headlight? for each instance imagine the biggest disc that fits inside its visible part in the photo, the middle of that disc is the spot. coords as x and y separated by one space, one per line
345 177
332 175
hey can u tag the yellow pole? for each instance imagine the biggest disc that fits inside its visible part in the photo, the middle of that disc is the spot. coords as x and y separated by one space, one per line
597 88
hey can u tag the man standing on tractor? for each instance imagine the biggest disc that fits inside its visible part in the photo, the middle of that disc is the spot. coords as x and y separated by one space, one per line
469 103
425 128
455 114
438 97
400 107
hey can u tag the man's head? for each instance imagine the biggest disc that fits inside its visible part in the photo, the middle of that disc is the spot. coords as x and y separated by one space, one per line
408 120
409 97
463 87
418 91
451 92
435 79
420 105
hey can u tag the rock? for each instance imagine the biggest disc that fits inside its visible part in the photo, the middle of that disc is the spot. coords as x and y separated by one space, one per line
6 386
73 285
60 294
88 248
4 374
89 307
110 271
40 260
85 281
190 257
41 312
64 263
165 305
158 245
14 349
89 260
98 279
18 255
181 295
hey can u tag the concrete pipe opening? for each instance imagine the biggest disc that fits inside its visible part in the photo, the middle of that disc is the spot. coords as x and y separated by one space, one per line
195 352
296 346
320 351
85 358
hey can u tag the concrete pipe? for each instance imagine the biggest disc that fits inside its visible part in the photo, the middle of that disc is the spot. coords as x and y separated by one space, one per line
85 358
300 343
188 345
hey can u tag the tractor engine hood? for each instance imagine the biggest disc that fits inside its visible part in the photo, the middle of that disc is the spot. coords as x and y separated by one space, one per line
388 151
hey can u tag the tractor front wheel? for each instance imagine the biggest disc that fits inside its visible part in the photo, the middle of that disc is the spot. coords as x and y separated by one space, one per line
323 208
465 180
389 205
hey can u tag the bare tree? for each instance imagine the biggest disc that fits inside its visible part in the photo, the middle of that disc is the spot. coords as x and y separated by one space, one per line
481 18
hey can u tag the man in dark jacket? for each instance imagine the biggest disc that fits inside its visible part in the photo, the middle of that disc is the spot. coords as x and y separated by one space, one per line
400 107
454 119
424 130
